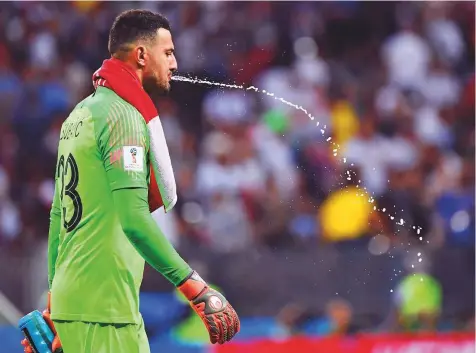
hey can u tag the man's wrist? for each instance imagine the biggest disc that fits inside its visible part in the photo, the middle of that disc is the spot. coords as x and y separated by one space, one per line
186 278
48 301
192 286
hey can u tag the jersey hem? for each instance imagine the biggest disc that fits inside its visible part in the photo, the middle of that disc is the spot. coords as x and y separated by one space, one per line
93 318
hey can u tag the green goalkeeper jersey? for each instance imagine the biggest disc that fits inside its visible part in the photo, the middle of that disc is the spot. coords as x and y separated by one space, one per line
97 271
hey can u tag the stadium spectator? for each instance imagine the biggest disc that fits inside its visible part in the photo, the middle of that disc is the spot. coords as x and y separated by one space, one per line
338 319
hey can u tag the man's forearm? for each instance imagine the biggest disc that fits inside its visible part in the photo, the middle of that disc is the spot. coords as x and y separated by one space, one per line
141 229
53 238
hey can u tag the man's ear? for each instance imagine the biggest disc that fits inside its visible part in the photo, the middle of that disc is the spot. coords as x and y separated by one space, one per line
140 55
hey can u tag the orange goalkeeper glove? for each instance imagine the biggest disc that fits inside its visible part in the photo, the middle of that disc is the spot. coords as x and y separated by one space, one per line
217 314
56 346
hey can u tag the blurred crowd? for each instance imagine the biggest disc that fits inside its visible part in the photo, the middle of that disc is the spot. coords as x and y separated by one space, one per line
387 161
395 92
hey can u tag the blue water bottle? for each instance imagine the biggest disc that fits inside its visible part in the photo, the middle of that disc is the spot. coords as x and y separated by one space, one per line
37 332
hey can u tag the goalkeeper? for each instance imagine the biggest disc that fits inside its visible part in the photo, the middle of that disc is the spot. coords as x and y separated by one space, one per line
101 230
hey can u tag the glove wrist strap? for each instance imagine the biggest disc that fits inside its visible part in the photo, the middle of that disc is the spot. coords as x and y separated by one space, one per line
193 286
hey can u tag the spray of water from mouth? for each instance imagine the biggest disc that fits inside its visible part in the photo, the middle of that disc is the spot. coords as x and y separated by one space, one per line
249 88
400 223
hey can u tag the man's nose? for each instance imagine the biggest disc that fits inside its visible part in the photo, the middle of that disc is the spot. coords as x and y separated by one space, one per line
173 65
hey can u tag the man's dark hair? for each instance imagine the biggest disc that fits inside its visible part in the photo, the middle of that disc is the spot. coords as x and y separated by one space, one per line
132 25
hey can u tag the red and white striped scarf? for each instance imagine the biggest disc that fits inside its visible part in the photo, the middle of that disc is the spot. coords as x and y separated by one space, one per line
117 76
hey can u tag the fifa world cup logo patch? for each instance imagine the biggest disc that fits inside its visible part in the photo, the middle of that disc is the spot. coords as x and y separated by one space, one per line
133 158
134 154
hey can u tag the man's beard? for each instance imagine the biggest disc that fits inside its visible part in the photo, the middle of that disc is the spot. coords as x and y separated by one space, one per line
154 88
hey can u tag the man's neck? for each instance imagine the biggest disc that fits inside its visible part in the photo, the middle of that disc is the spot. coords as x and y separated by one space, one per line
130 65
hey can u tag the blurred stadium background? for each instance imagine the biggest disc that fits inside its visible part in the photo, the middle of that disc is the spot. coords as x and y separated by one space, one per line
266 212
